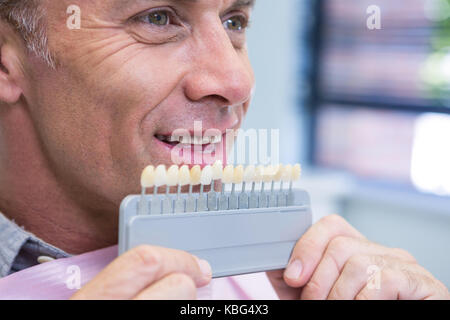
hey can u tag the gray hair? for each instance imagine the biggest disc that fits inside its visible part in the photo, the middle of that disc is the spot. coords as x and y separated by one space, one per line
28 19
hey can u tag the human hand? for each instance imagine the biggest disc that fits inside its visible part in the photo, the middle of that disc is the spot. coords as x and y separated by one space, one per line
333 260
148 273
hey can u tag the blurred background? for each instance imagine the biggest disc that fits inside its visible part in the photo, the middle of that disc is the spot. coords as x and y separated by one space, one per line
366 112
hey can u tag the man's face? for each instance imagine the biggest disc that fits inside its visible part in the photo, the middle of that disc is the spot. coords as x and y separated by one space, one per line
136 70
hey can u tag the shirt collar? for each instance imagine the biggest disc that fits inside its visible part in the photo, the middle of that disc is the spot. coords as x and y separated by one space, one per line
20 249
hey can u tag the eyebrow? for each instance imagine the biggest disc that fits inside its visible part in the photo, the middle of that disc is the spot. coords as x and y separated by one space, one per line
241 4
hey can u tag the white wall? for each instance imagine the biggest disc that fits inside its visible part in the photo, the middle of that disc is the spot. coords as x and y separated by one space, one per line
273 40
274 45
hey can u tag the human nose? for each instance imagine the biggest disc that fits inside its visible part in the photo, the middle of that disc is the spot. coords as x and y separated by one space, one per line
219 70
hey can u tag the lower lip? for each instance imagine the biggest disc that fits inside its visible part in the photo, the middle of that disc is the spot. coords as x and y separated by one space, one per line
195 154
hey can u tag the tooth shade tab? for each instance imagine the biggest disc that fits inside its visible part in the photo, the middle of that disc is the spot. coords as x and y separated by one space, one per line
296 172
160 176
217 170
286 173
206 176
268 173
228 174
172 176
196 173
184 176
277 173
249 174
148 177
238 175
259 171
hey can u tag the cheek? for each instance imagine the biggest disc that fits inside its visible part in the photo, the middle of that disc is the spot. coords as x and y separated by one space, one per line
144 83
89 118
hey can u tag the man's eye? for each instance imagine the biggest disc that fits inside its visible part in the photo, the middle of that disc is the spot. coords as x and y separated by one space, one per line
158 18
236 23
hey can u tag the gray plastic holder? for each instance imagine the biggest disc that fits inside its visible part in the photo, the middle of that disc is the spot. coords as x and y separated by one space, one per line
233 241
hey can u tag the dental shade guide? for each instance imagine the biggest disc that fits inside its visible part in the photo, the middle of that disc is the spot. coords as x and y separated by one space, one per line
235 231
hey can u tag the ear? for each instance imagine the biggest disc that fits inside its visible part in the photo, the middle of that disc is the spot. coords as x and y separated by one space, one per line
10 92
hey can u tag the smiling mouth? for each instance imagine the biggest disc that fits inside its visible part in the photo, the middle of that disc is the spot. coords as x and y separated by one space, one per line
188 140
193 150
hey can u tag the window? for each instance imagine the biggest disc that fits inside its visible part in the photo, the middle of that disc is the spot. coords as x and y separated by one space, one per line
381 98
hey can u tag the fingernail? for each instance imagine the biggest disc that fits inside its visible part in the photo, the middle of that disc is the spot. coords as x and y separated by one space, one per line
205 267
294 270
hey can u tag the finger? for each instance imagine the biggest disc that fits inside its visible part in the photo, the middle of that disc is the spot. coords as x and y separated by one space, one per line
283 291
338 252
397 279
404 282
175 286
310 248
138 268
358 272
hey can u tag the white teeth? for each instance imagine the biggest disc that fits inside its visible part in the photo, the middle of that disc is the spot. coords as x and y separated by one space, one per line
228 174
249 174
206 140
217 170
160 176
198 140
184 176
238 174
216 139
196 173
187 139
148 177
172 176
206 176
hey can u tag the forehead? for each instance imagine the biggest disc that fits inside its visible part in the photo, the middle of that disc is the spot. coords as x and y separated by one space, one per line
121 3
118 5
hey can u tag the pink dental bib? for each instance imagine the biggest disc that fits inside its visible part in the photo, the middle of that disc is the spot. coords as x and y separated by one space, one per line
60 279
